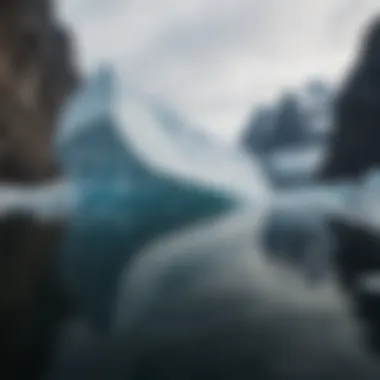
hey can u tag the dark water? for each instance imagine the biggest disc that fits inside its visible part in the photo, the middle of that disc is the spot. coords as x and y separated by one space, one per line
112 224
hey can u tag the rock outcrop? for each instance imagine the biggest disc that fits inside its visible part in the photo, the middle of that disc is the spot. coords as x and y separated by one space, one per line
355 141
36 74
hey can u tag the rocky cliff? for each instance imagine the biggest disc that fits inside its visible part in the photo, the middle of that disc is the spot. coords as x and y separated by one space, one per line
355 142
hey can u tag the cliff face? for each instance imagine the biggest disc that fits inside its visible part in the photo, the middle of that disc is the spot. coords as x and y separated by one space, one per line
355 142
59 75
46 53
36 74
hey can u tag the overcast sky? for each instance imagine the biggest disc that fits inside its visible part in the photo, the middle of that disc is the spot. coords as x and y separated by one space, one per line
215 59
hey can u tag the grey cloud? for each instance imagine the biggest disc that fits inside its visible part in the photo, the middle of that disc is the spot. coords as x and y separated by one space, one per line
87 8
199 54
345 26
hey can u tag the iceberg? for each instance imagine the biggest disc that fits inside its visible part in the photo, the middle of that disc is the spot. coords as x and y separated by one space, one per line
139 172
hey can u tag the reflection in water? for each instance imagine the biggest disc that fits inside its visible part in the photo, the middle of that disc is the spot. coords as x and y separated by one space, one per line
111 224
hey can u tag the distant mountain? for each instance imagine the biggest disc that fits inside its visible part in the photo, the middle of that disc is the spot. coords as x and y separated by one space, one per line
294 119
289 136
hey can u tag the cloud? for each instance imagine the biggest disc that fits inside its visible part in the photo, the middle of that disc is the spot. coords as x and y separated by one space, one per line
215 59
